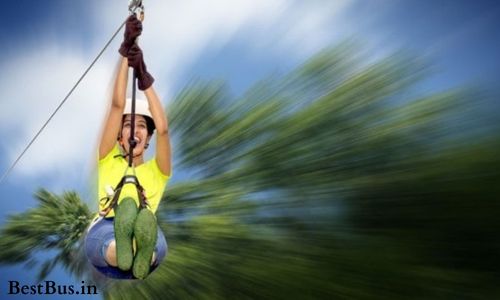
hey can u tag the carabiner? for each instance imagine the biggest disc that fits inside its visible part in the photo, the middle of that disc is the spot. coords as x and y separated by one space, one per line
135 6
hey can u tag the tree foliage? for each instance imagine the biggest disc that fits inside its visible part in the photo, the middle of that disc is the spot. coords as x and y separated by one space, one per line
57 223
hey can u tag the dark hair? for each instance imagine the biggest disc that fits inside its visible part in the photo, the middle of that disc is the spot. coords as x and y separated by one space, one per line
150 124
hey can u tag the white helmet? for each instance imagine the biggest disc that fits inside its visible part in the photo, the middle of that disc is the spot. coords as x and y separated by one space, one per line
141 107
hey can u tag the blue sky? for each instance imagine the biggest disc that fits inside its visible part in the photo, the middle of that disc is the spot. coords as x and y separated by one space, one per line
48 44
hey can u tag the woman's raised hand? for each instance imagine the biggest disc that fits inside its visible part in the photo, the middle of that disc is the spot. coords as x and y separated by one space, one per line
133 29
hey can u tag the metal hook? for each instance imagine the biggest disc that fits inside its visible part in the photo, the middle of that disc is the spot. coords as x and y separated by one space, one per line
135 6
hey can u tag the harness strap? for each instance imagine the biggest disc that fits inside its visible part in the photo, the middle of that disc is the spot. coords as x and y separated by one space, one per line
127 179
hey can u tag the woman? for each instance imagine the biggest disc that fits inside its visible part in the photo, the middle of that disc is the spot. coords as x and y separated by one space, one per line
128 238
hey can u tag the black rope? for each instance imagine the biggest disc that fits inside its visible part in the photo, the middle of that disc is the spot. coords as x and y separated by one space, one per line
131 140
61 104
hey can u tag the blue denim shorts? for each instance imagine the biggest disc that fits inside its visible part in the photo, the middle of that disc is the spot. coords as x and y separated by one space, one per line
100 235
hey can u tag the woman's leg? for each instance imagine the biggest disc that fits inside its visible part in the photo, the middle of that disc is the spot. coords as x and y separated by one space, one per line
97 240
161 249
125 215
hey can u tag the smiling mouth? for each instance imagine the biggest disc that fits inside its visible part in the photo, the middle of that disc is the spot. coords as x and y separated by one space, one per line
137 140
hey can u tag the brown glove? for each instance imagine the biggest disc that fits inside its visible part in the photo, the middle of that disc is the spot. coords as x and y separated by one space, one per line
136 61
133 29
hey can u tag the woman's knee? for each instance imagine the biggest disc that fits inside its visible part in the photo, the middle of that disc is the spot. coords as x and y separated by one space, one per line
110 254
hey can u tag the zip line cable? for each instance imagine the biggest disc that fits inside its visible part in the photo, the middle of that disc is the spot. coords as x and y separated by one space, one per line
61 104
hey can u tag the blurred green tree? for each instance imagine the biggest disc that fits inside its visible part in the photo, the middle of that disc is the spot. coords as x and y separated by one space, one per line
56 224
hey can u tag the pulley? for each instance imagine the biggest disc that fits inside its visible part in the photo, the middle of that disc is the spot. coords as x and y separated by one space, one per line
135 6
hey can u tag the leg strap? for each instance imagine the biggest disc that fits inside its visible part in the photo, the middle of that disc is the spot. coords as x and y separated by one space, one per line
127 179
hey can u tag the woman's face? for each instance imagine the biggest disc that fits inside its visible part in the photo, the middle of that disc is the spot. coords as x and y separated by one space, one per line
141 134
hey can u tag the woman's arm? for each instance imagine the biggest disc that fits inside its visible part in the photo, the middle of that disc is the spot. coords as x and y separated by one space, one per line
163 154
114 119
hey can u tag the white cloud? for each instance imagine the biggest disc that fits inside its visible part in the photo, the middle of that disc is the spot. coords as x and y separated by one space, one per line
175 34
35 87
